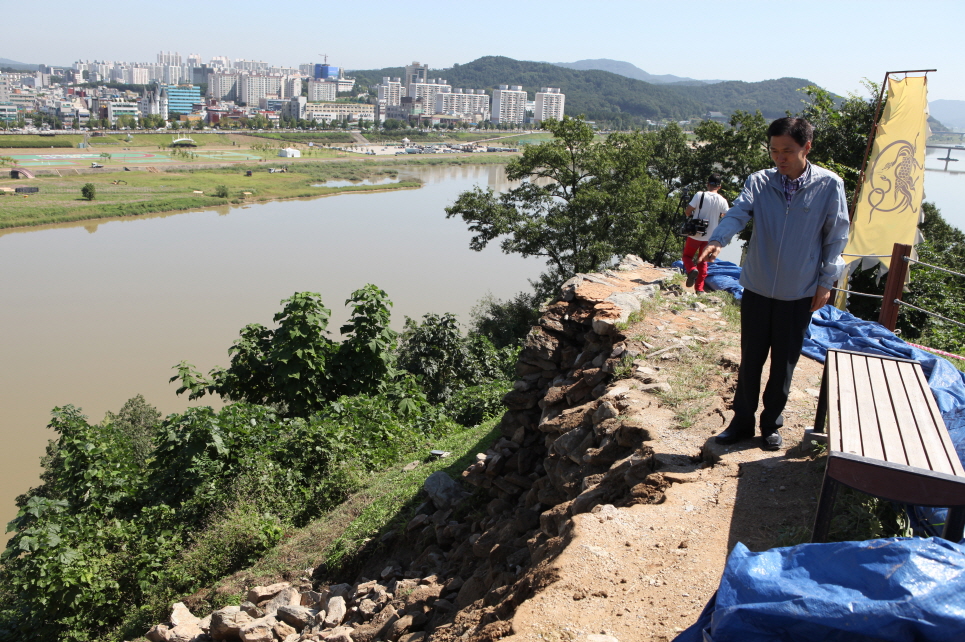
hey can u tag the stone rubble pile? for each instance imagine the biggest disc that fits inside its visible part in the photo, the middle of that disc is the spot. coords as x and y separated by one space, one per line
570 443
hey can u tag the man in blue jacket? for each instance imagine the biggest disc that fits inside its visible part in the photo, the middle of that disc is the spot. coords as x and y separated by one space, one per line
800 215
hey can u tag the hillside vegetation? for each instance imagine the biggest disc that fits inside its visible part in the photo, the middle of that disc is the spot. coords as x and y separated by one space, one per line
611 98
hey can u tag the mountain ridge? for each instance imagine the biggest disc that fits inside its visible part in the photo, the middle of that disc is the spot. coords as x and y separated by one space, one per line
623 68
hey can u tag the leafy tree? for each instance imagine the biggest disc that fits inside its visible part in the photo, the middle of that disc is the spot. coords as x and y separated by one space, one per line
505 323
221 191
580 202
296 367
446 361
734 152
841 130
88 191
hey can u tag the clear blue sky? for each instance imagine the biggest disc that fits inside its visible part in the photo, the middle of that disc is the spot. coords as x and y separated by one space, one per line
835 44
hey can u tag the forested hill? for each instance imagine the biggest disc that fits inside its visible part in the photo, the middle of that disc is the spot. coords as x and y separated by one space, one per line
772 97
607 97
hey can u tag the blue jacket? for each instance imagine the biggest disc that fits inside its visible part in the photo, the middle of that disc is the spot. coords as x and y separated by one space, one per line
792 249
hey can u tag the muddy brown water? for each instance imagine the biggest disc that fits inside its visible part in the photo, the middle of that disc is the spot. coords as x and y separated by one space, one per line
94 313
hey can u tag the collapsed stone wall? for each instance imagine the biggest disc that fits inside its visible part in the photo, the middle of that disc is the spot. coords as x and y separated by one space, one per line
567 446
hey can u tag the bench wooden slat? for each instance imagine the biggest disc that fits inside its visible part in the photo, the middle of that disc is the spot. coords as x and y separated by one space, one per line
834 414
936 414
946 440
914 452
894 449
868 426
929 433
848 410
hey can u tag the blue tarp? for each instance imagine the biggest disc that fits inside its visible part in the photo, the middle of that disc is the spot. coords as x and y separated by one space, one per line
897 590
721 275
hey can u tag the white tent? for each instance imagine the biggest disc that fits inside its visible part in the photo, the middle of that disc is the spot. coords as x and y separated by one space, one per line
289 152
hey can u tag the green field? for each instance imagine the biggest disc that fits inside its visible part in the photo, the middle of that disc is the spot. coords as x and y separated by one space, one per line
157 140
308 137
59 199
110 139
33 140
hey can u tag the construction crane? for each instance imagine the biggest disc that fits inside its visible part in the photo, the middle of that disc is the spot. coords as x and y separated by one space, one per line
325 58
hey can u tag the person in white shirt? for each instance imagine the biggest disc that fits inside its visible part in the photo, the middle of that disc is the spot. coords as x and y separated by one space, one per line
708 206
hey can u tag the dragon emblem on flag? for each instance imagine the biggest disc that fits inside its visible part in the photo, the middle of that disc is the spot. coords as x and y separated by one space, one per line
895 177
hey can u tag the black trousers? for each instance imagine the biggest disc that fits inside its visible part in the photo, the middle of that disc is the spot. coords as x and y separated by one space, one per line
775 327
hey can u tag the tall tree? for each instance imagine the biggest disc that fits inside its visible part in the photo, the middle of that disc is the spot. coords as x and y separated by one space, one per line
580 202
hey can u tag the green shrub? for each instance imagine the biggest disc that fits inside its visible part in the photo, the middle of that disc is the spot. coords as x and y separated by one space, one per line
473 405
221 191
446 361
88 191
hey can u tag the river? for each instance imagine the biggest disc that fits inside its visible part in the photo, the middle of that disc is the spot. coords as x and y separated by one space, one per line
95 313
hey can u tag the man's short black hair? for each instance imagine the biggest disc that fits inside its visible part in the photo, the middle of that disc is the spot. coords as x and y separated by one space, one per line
797 128
713 179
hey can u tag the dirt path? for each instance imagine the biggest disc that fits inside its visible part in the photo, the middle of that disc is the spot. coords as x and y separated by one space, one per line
645 572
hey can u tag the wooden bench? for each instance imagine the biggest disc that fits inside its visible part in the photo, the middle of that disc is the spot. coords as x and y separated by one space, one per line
886 438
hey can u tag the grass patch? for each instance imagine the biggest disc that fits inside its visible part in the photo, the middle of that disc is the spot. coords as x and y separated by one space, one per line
309 137
731 310
26 141
342 538
690 385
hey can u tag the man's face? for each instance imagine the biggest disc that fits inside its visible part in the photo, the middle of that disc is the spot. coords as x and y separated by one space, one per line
789 157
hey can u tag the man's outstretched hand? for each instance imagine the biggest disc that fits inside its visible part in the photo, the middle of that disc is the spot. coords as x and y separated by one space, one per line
709 253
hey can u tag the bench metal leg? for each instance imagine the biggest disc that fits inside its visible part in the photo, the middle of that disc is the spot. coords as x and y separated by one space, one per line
954 524
822 521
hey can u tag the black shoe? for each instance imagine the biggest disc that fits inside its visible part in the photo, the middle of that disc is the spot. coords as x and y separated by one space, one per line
733 434
771 441
692 277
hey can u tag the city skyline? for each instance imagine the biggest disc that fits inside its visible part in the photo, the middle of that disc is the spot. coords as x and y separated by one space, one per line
832 44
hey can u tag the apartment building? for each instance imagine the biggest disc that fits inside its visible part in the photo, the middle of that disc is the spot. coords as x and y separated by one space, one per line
252 87
253 66
136 76
321 91
472 104
391 91
223 86
509 105
548 104
169 58
428 90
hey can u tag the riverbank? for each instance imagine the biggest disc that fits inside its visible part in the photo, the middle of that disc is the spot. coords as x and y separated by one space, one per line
186 187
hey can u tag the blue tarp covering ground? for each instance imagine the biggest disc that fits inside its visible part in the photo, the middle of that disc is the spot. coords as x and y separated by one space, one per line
898 590
902 589
721 275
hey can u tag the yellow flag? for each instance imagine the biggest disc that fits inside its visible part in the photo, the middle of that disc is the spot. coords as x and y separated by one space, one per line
889 206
